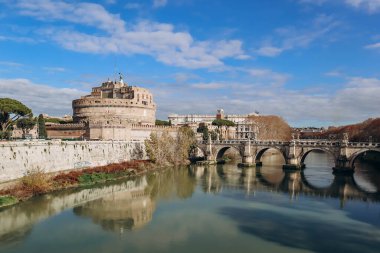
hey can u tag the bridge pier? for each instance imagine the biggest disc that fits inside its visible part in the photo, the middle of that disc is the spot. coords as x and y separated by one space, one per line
342 165
247 161
292 158
292 167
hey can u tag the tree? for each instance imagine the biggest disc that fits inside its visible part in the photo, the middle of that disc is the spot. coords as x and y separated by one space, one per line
162 123
222 122
41 127
186 142
271 127
214 134
165 150
10 111
26 124
202 128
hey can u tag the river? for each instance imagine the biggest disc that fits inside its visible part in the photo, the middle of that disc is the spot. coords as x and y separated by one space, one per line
219 208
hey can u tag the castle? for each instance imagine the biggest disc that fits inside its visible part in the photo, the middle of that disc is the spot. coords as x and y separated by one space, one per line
115 102
112 111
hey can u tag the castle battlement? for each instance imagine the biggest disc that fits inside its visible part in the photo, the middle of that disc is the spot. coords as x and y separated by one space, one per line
153 127
66 126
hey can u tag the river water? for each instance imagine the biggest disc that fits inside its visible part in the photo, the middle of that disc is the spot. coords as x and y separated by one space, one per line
207 209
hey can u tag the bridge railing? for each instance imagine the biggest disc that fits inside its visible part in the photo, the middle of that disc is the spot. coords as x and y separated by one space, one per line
364 144
316 143
298 142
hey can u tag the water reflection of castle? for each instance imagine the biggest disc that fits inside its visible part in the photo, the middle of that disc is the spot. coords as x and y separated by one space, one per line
119 211
117 206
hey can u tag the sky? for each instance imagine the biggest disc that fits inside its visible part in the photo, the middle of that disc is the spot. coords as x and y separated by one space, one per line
312 62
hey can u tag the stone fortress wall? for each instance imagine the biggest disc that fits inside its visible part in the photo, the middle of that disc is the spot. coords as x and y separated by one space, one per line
18 157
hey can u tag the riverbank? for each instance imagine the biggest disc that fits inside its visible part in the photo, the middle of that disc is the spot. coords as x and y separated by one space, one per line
37 182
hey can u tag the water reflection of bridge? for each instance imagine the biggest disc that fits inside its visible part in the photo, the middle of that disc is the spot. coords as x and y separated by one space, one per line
215 178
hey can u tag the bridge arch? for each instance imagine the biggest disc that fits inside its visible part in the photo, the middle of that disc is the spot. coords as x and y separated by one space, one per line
355 155
324 150
261 152
221 151
197 153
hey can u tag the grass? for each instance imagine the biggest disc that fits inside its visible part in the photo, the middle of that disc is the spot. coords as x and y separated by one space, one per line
7 200
93 178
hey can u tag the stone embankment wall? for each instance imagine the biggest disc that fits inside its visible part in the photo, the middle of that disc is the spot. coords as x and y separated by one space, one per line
16 158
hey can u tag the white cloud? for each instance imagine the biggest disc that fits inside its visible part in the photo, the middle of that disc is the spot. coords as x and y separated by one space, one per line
159 3
80 13
158 40
268 77
335 73
373 46
317 2
17 39
211 85
54 69
289 38
181 78
11 64
369 5
110 1
132 6
357 100
40 98
269 51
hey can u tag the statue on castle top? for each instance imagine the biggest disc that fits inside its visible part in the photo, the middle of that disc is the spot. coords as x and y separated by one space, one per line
121 78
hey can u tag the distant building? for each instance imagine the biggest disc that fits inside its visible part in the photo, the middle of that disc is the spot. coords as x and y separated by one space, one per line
67 118
191 119
308 132
17 133
244 129
247 130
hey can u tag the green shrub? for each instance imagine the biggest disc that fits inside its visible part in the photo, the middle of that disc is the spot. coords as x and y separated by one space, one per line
7 200
95 177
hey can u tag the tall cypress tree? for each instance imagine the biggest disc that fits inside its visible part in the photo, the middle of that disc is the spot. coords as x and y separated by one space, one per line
41 127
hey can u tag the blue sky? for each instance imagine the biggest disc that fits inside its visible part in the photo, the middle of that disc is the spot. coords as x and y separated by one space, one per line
313 62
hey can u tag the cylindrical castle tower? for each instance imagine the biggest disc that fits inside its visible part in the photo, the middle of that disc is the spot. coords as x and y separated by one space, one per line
116 102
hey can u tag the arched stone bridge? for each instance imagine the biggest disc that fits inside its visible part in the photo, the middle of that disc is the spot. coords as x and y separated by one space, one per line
294 152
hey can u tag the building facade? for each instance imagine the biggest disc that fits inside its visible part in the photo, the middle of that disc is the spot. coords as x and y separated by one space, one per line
191 119
245 127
